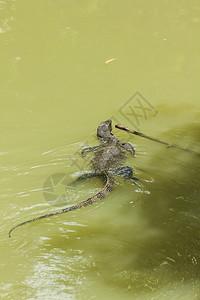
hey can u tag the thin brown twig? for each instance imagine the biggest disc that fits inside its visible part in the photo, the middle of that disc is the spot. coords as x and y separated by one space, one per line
155 139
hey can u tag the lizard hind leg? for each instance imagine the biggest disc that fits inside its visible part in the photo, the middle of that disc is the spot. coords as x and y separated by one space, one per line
86 176
125 172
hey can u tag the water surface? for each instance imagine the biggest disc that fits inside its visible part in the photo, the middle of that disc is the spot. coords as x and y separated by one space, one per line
141 242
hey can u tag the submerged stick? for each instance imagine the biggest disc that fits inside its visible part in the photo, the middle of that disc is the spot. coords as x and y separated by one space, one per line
124 128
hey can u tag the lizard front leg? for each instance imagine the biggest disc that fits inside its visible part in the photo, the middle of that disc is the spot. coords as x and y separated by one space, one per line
89 149
127 147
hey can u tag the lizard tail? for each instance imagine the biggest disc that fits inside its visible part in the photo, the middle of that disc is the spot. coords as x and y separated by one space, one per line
101 194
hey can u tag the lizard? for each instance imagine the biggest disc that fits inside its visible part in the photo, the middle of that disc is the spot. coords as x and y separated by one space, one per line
106 162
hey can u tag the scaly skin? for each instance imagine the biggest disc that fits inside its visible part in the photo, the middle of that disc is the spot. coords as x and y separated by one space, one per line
105 163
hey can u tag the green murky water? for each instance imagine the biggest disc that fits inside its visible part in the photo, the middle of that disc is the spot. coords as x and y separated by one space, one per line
141 242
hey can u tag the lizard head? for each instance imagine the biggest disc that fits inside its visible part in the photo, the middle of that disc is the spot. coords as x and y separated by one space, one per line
104 130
